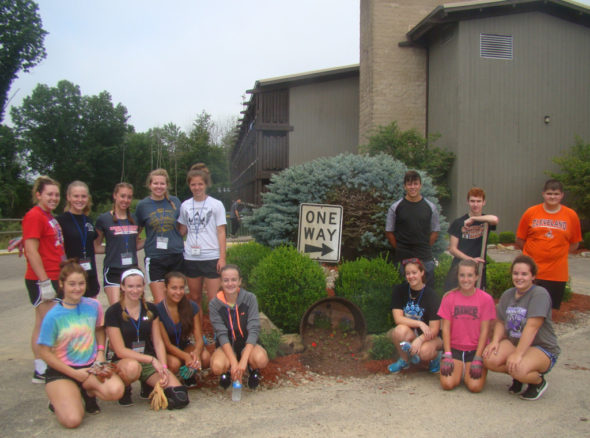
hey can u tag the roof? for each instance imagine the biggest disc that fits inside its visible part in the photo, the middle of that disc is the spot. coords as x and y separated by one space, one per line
451 12
310 76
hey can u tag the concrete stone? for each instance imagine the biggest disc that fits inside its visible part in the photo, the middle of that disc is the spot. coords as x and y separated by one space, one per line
290 344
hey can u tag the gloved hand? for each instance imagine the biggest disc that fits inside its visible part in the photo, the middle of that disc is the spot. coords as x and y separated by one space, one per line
476 369
46 290
447 365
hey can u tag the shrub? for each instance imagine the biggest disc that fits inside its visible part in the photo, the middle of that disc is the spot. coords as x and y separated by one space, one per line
587 240
498 278
365 186
507 237
441 271
270 340
382 347
369 285
286 283
246 256
493 238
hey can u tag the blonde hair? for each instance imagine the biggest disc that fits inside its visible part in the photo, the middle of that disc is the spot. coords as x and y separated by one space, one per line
199 169
69 189
40 184
164 173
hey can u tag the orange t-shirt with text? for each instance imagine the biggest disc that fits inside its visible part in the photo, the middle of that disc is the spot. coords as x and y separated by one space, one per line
547 239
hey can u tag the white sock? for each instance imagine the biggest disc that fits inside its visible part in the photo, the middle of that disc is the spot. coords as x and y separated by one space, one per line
40 366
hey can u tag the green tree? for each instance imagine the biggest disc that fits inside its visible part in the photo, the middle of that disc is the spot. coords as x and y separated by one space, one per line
14 197
414 151
70 136
21 42
575 176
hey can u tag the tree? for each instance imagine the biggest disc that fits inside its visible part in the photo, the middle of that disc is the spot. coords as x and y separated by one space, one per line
70 136
414 151
21 42
14 196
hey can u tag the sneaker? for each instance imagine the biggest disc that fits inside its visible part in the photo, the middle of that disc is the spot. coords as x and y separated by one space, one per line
533 392
126 400
90 405
434 365
191 382
145 392
225 380
254 379
396 367
38 377
516 387
406 346
50 407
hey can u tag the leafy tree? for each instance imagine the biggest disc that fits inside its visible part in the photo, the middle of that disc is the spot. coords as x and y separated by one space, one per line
21 42
70 136
414 151
14 196
575 176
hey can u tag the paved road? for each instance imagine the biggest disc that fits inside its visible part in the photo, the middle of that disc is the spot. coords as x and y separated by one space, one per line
409 405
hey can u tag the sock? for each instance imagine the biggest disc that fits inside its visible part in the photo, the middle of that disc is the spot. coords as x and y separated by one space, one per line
40 366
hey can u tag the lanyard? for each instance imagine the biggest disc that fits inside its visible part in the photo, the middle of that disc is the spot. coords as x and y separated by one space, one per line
83 232
138 325
177 333
419 296
198 219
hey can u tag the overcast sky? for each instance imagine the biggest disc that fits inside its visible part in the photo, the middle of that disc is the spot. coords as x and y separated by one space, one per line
166 61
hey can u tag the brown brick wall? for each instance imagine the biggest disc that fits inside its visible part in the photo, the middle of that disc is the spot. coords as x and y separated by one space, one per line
392 78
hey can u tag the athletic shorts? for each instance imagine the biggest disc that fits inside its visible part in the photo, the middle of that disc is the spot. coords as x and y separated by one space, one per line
556 291
51 375
33 290
147 370
552 357
463 356
156 268
201 268
112 276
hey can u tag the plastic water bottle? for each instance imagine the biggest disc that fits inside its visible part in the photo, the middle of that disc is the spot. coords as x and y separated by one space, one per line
236 391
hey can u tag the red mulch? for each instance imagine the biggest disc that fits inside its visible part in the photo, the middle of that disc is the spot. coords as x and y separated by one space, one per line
332 356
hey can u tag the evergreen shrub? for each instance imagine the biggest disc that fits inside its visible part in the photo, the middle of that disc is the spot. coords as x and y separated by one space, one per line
587 240
286 283
271 340
246 256
382 347
507 237
365 186
369 284
493 238
440 272
498 278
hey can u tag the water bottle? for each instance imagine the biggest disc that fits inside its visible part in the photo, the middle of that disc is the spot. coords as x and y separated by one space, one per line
236 391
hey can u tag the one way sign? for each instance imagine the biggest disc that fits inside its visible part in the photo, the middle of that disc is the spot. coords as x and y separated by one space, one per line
320 231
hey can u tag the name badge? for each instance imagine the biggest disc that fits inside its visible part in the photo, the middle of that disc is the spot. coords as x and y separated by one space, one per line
161 242
86 265
138 346
126 258
195 251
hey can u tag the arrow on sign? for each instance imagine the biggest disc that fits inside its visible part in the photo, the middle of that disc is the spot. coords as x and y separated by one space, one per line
325 249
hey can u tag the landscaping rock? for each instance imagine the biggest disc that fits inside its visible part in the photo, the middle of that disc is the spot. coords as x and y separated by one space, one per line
290 344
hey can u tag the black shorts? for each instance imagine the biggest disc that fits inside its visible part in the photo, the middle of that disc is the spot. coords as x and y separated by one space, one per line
33 290
201 268
92 286
51 375
556 290
463 356
112 276
156 268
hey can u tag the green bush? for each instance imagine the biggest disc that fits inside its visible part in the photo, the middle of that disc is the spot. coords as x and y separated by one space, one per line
493 238
286 283
507 237
382 347
246 256
587 240
270 340
441 271
369 285
568 293
365 186
498 278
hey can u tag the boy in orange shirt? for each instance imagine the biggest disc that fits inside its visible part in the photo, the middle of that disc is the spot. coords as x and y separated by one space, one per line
547 232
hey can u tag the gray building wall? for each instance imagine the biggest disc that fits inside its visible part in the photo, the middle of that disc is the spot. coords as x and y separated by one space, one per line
491 112
324 117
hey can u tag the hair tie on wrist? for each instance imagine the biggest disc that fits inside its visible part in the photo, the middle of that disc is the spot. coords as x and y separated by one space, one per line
100 347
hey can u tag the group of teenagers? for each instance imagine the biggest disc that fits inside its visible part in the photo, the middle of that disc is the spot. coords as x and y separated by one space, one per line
159 342
465 334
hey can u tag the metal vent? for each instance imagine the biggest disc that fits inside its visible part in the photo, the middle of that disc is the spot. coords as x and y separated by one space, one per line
495 46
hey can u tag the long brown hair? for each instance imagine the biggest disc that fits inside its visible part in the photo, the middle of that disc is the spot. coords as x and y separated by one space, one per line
185 310
119 186
40 184
69 267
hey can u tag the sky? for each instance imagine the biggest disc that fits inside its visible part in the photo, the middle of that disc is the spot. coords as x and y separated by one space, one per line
166 61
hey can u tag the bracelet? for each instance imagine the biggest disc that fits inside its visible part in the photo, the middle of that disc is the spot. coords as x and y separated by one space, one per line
100 347
448 352
165 366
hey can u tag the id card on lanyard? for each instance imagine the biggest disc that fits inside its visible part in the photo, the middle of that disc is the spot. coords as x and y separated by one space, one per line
137 345
85 262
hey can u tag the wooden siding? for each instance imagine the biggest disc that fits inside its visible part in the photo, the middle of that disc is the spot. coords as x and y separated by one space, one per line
499 135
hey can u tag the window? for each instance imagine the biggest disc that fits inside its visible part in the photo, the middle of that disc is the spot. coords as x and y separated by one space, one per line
495 46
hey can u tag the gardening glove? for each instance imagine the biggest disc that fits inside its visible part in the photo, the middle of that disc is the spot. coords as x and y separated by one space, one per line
447 365
476 368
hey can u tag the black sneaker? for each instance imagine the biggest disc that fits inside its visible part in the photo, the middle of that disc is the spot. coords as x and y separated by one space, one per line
90 405
516 387
534 392
191 382
38 377
50 407
254 379
225 380
145 392
126 400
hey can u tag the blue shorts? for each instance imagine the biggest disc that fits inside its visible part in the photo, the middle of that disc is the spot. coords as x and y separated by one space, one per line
552 357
